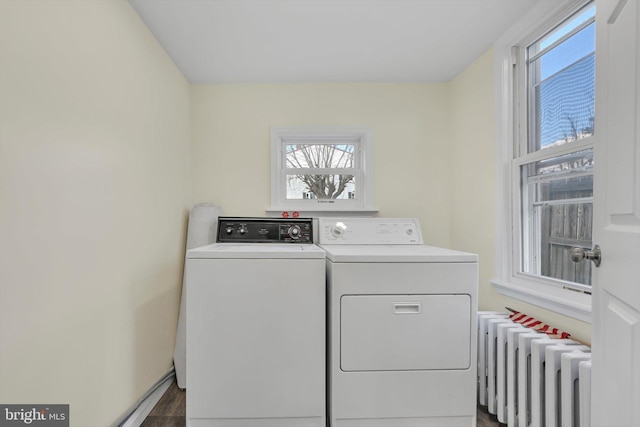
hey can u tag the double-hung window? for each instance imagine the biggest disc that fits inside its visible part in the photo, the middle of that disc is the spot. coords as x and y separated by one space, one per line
321 170
548 200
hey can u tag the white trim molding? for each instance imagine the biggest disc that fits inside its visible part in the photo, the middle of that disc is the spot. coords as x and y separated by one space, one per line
311 213
361 137
135 416
577 306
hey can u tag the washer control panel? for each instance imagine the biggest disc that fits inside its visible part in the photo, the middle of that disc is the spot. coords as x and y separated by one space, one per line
264 230
369 231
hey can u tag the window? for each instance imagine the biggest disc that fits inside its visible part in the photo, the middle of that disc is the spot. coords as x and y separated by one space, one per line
321 170
550 159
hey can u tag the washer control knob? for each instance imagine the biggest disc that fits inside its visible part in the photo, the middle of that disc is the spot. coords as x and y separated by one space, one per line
243 229
338 229
294 232
229 230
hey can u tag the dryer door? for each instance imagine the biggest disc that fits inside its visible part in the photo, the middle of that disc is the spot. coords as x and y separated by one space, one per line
405 332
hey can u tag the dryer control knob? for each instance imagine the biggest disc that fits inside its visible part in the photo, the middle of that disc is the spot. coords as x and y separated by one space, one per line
338 229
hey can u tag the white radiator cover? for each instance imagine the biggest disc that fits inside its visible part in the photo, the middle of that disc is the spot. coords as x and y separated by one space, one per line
527 379
483 349
584 373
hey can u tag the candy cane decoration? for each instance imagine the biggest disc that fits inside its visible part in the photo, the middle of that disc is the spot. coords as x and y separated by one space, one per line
536 325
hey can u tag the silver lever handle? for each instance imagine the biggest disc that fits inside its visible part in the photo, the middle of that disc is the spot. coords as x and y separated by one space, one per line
595 255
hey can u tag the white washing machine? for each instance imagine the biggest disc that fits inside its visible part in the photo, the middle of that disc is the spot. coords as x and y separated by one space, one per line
401 326
256 326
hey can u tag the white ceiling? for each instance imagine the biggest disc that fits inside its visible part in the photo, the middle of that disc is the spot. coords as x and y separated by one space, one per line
259 41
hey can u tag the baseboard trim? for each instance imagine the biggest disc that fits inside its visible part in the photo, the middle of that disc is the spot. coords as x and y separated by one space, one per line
136 415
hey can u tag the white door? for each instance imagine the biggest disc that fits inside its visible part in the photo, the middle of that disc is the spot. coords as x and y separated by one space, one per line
616 298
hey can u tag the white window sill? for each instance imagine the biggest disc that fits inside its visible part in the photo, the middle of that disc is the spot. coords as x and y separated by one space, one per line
566 302
314 213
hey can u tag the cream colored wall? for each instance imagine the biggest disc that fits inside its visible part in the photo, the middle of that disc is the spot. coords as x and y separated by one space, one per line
473 187
231 143
472 171
94 152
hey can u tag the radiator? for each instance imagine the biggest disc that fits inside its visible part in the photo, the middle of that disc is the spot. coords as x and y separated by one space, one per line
527 379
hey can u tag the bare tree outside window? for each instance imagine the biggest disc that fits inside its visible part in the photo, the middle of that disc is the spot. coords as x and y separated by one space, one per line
320 171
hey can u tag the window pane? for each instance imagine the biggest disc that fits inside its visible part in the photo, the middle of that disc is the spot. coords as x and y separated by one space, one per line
582 17
563 91
557 206
320 186
319 155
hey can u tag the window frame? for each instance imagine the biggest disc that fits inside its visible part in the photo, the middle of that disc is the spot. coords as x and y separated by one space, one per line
512 131
361 137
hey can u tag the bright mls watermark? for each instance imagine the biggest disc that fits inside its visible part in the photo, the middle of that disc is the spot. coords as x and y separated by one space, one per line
34 415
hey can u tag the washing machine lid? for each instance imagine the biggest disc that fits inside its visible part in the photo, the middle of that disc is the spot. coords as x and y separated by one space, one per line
256 251
395 253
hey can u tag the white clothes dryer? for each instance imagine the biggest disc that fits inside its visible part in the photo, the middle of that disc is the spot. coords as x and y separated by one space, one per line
256 326
401 326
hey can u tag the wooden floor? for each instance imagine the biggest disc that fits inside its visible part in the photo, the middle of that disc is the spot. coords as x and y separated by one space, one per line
171 409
